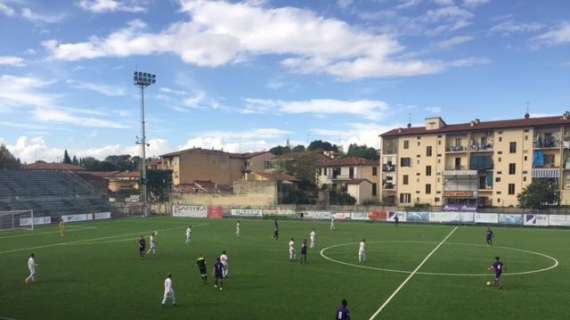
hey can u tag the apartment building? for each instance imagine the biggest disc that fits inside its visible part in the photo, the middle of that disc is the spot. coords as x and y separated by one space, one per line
356 176
480 163
215 166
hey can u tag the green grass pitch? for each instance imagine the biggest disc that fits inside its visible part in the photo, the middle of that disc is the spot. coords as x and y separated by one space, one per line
95 272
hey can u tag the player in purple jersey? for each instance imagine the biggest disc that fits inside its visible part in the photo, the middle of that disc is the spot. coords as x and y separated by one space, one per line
219 274
304 251
490 236
498 267
342 312
275 230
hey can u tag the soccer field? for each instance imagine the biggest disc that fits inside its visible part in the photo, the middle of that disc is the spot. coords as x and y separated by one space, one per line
95 272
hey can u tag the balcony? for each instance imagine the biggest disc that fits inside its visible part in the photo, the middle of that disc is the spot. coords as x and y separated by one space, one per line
547 140
547 173
389 186
388 168
460 172
481 147
455 149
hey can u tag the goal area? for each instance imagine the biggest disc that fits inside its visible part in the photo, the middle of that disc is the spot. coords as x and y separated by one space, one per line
17 219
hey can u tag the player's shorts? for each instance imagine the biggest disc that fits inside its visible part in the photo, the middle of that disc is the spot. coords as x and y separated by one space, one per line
219 276
498 275
202 270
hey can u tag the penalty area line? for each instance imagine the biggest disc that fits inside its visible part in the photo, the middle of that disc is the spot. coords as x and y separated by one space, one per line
403 284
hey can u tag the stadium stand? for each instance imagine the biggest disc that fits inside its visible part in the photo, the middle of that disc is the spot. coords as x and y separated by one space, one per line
52 193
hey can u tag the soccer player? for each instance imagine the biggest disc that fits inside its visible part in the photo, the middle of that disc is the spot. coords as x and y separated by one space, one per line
490 236
225 261
396 219
362 251
142 246
61 227
189 234
332 223
342 312
313 237
498 267
168 291
237 228
219 274
304 251
32 268
292 250
152 247
275 230
201 262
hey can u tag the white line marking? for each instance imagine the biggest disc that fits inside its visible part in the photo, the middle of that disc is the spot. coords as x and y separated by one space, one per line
411 275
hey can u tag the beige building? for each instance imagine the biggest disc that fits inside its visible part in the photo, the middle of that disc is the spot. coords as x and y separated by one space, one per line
218 167
476 163
356 176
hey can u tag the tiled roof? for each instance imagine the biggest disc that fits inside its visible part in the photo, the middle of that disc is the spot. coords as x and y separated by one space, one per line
52 166
348 161
483 125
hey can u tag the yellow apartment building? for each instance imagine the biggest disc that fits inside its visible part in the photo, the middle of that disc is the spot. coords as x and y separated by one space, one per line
480 163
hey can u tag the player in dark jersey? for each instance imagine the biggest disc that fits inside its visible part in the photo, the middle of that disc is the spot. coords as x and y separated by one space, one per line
201 262
142 246
342 312
304 251
490 236
219 274
275 230
498 267
396 219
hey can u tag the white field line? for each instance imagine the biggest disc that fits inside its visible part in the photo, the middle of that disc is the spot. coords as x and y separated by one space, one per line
59 244
411 275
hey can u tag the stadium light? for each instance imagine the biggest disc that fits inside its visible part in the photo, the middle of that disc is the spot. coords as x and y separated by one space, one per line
143 80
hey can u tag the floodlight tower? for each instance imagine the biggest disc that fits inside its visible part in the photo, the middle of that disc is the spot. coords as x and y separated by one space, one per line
143 80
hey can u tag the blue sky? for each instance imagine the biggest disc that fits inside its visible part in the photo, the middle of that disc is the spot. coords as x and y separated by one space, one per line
248 75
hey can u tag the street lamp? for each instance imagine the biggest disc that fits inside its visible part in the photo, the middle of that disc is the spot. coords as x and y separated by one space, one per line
143 80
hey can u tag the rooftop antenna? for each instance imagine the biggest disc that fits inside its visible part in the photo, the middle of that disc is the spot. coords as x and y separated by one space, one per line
409 120
527 114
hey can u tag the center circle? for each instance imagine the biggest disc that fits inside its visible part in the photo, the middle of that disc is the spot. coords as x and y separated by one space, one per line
455 249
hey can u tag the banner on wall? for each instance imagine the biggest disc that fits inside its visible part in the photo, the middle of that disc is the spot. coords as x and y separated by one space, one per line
378 215
325 215
278 212
512 219
359 216
254 213
342 215
417 216
531 219
189 211
452 217
491 218
400 214
459 207
37 221
559 220
102 215
215 212
77 217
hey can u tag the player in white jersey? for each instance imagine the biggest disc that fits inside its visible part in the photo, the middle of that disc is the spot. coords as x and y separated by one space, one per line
313 238
168 290
292 255
237 228
332 223
32 268
225 261
189 234
152 247
362 251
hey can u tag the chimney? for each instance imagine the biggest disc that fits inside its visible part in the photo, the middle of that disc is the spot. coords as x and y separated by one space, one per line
566 115
409 125
527 115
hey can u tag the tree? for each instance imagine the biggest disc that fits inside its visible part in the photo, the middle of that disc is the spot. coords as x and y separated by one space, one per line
304 168
539 194
279 150
92 164
298 148
7 159
74 161
66 158
123 162
362 151
319 145
159 183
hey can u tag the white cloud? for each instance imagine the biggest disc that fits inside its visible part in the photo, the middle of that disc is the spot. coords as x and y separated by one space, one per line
453 42
474 3
59 115
405 4
100 6
111 91
32 16
29 150
344 3
557 35
509 27
370 109
444 2
181 100
237 141
359 133
6 10
221 33
11 61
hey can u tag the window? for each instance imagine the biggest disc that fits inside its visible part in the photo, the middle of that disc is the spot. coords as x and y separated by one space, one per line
405 198
498 179
511 188
418 143
499 159
374 171
351 172
513 147
267 164
406 179
428 171
405 162
525 158
512 168
428 188
437 199
428 151
500 140
320 171
325 171
374 189
406 144
439 142
457 163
